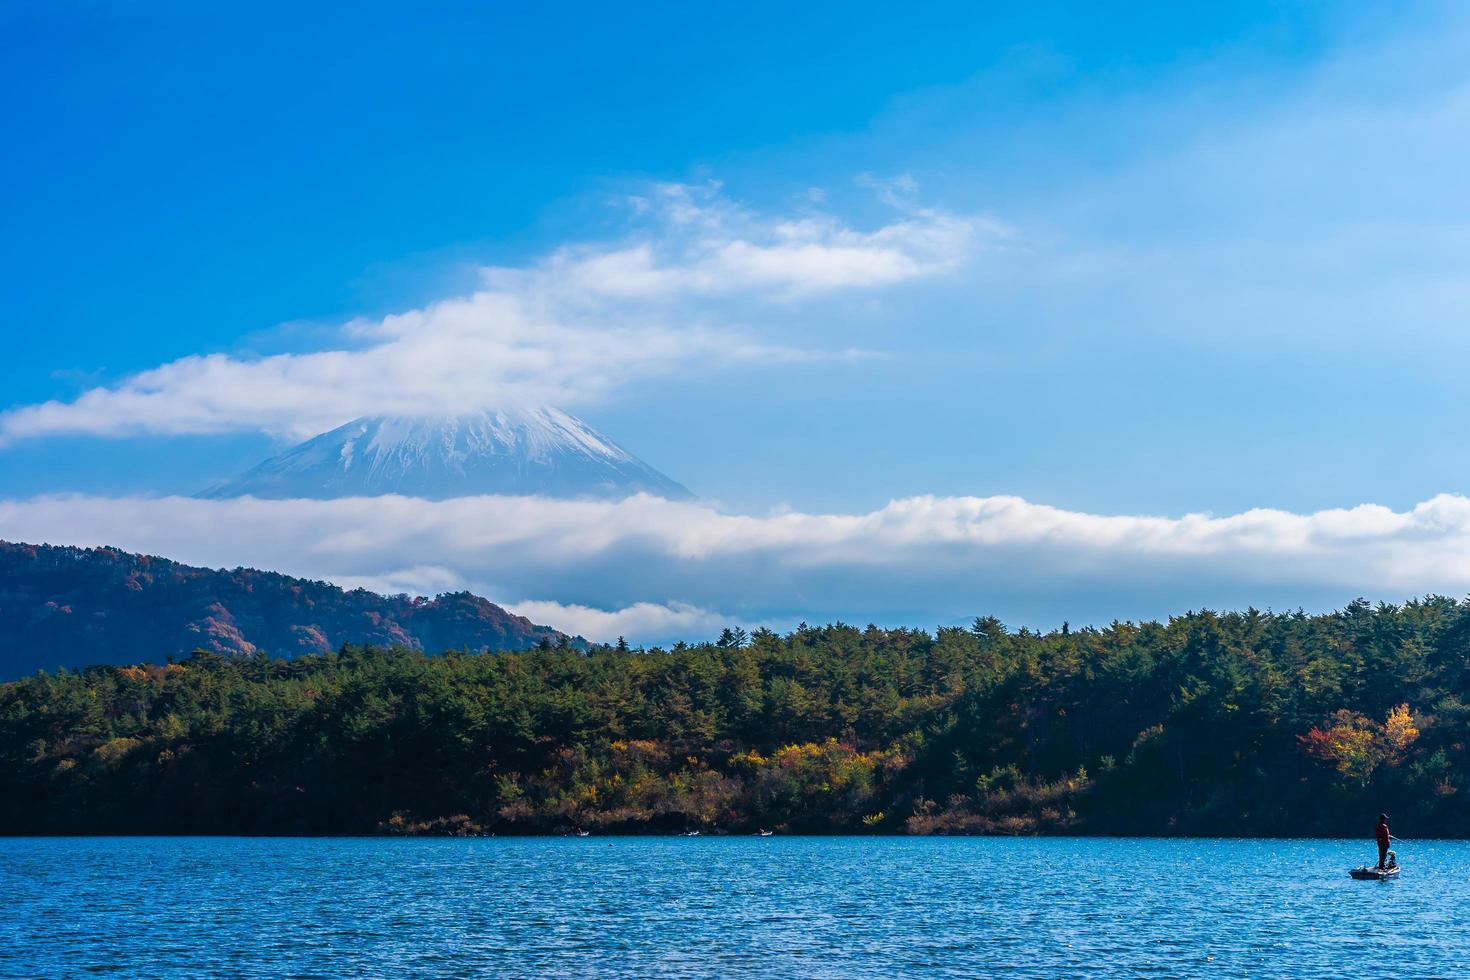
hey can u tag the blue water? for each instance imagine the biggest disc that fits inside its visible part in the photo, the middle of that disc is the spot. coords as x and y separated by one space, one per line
777 906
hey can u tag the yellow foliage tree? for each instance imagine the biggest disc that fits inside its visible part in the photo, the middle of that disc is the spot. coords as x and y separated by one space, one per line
1398 729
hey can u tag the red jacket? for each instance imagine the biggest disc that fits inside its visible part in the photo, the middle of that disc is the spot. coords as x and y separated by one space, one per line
1382 832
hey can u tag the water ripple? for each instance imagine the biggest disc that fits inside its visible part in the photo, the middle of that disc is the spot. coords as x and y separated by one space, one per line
714 907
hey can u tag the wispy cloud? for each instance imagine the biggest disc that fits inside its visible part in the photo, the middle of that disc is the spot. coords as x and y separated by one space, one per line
651 569
1312 210
571 328
705 246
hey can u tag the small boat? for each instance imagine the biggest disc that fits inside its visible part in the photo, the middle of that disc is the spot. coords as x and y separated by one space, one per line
764 833
584 833
1369 873
691 833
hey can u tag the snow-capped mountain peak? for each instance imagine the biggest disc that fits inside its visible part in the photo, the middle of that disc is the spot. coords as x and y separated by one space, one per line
542 451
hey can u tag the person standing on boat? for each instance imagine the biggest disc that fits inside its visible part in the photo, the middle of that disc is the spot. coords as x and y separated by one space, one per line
1381 832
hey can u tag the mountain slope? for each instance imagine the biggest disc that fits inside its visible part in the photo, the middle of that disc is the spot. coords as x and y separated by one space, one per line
70 607
537 451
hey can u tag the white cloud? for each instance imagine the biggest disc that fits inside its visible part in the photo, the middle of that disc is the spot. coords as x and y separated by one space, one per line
655 570
572 328
420 580
640 620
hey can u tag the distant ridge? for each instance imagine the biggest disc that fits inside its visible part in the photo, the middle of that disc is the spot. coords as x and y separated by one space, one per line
72 607
542 451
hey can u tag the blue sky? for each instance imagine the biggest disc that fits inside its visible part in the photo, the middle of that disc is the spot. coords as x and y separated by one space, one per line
1157 261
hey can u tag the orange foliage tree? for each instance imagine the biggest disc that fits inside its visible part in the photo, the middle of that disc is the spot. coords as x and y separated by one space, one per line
1356 745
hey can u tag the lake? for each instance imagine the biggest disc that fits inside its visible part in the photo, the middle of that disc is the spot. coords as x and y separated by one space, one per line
777 906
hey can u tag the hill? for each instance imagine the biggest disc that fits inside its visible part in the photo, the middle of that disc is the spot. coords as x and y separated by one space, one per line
543 452
1234 724
69 607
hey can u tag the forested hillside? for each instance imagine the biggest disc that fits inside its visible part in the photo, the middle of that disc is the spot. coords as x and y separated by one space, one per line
1243 723
70 607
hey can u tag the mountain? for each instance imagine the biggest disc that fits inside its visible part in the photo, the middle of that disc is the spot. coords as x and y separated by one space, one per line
541 451
70 607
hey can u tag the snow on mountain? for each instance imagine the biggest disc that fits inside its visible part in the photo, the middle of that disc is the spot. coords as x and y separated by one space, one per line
540 451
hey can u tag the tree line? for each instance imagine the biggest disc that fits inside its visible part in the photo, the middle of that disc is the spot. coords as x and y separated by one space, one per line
1241 723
